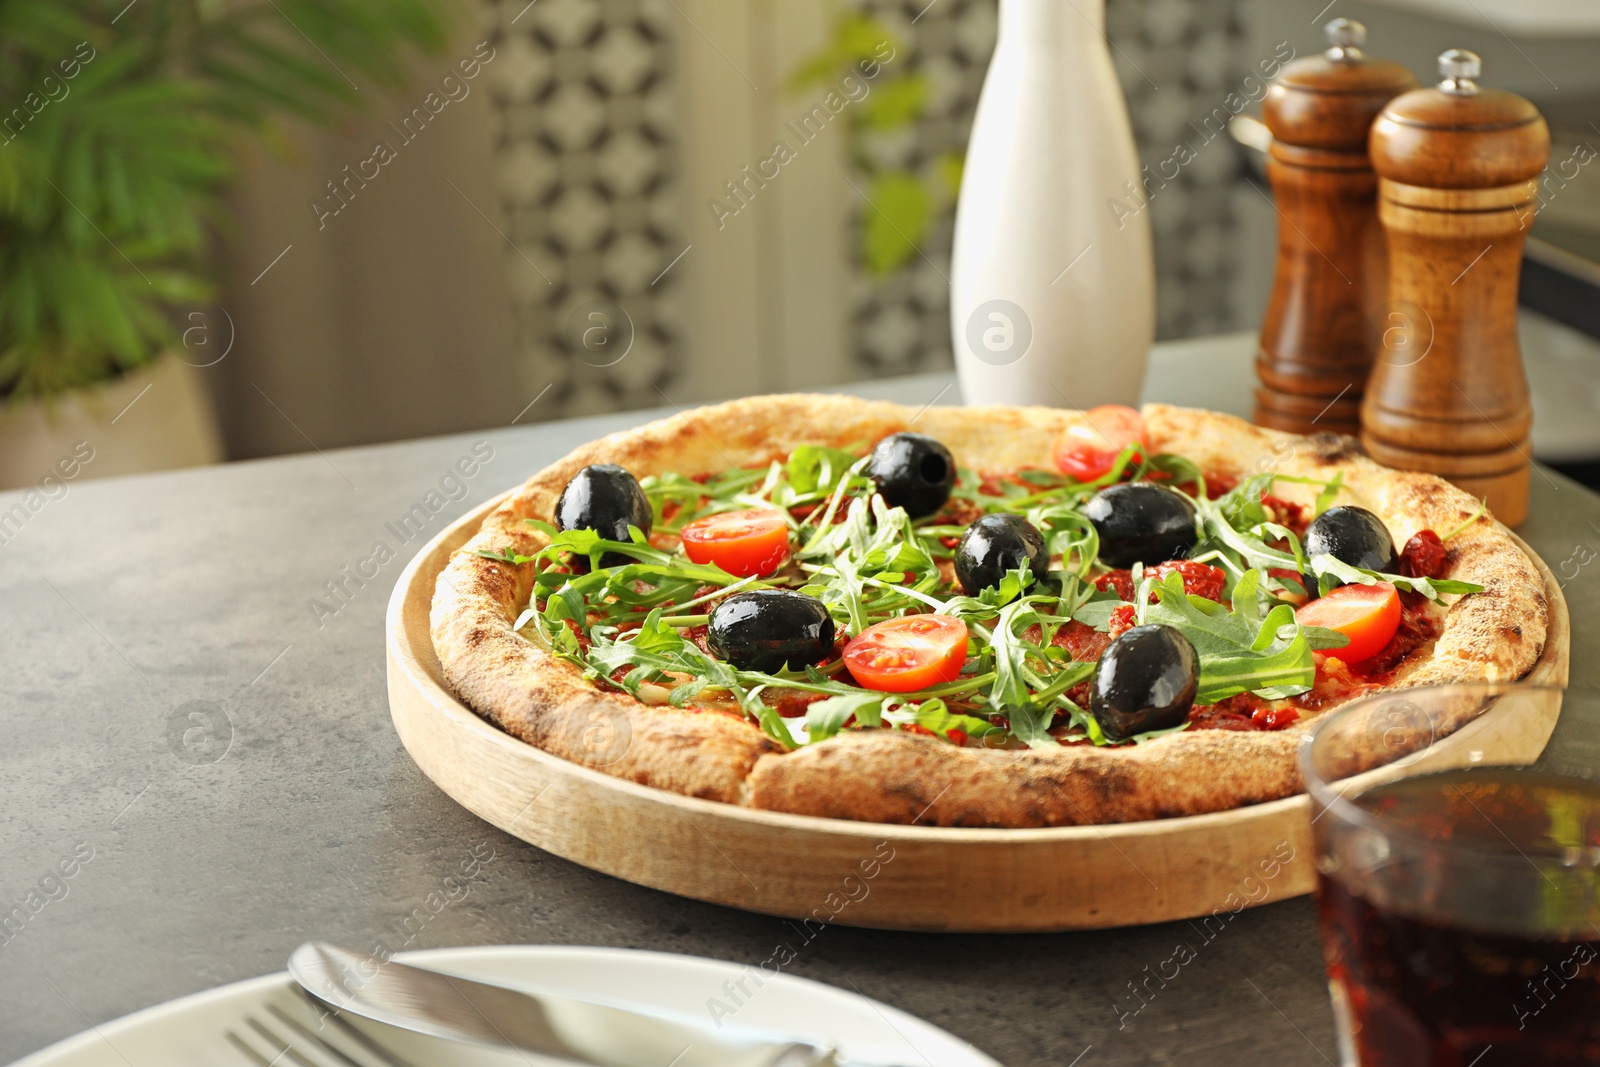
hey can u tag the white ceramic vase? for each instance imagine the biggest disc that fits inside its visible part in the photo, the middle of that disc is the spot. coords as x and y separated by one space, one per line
1052 284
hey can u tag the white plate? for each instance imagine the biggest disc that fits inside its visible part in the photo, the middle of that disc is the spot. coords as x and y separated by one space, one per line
190 1032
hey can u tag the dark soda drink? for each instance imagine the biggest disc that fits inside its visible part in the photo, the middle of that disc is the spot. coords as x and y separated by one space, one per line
1457 916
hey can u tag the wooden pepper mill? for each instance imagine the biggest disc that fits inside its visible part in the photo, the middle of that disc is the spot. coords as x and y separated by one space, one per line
1317 338
1458 168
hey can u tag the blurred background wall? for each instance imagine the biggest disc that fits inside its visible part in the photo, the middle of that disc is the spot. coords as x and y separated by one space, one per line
577 178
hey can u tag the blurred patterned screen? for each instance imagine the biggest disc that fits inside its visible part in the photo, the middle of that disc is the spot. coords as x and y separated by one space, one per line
587 157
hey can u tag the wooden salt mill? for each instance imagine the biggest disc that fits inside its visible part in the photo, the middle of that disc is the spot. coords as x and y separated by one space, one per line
1317 341
1458 168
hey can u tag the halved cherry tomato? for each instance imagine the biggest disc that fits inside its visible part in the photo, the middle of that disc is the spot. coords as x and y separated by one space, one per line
903 655
1368 615
750 542
1088 450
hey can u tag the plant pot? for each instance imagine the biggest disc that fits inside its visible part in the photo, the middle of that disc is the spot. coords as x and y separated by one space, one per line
154 418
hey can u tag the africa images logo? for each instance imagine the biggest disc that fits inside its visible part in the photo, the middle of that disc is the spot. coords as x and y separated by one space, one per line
999 332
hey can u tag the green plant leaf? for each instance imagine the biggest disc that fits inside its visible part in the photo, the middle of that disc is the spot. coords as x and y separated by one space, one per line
895 222
855 39
951 166
108 190
895 102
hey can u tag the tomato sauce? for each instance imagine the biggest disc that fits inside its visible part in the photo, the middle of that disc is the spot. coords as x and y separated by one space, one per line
1335 684
957 737
1246 711
1199 579
1082 640
959 511
792 703
700 636
1119 581
1235 713
1123 618
1287 513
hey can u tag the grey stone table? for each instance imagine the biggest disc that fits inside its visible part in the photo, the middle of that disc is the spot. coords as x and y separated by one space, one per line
193 720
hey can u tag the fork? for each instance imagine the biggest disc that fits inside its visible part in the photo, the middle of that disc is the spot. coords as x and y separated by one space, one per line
286 1040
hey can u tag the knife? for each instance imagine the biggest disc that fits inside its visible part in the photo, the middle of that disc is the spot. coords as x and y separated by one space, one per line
556 1029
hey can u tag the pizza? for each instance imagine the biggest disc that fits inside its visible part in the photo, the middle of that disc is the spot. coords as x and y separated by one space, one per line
969 616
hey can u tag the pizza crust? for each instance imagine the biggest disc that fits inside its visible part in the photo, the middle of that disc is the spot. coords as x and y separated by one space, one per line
891 776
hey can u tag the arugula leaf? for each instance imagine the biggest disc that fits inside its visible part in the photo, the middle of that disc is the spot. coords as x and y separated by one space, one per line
1331 571
813 473
656 636
1082 720
1236 528
1096 611
654 646
1068 534
825 718
1037 479
670 575
695 498
1029 679
935 715
1330 491
1119 467
656 650
1151 735
1278 664
505 555
1030 724
1208 626
1241 506
871 567
772 724
1241 549
1011 656
989 602
1283 533
1252 604
1241 650
1178 469
1478 513
1321 638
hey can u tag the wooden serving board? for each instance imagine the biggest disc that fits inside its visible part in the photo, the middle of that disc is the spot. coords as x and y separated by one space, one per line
820 871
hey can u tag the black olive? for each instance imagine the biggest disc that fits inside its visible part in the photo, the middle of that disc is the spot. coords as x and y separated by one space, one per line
1146 680
1352 535
913 471
768 628
996 545
1142 523
606 499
